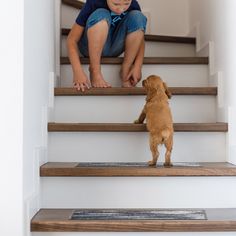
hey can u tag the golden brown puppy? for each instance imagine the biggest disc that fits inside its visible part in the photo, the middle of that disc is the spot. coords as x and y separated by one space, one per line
158 116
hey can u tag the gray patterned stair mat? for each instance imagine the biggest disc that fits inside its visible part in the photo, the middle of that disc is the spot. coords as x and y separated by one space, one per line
133 164
130 214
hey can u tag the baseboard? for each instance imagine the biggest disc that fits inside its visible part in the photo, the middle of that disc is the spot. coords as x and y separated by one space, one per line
57 37
216 78
32 202
48 110
232 135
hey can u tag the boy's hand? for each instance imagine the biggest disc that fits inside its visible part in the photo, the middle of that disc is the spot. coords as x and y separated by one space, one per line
81 81
134 76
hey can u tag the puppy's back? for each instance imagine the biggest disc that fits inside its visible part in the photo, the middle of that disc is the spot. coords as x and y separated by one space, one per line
159 118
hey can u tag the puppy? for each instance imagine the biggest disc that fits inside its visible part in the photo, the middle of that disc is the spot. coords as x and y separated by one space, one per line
159 119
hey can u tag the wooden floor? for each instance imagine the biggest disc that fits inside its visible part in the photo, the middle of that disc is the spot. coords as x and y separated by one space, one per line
137 169
59 220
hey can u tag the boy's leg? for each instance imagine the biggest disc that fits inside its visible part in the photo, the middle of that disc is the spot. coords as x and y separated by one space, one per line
93 42
129 37
97 36
133 47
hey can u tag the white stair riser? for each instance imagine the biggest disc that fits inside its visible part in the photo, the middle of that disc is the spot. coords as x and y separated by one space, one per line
68 16
127 109
173 75
154 49
139 192
134 234
133 147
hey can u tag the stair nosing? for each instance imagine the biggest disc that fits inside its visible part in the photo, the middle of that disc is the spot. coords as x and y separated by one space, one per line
59 220
155 38
116 91
147 60
129 127
72 169
73 3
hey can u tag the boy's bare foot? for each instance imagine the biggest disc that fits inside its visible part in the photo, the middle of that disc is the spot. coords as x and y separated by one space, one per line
126 84
97 80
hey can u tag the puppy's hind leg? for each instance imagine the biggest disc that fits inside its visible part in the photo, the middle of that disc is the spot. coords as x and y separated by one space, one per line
169 145
154 149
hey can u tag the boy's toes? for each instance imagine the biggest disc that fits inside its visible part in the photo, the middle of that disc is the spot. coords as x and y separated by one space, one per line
126 84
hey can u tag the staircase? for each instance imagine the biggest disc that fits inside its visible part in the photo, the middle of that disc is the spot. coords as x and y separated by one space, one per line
97 178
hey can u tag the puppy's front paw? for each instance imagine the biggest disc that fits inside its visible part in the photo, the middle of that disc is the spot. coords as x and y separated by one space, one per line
137 122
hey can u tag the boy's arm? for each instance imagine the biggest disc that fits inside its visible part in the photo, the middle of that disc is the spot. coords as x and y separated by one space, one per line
80 79
136 71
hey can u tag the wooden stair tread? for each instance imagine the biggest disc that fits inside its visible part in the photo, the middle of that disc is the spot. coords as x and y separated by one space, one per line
76 169
133 91
155 38
59 220
147 60
73 3
129 127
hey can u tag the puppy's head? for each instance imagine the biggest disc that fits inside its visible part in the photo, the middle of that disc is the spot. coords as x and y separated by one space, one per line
154 84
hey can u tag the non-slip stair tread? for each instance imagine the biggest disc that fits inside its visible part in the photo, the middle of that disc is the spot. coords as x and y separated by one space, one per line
76 169
155 38
73 3
129 127
60 220
133 91
147 60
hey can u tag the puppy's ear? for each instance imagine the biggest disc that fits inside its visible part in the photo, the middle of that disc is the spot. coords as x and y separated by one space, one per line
151 93
167 91
144 83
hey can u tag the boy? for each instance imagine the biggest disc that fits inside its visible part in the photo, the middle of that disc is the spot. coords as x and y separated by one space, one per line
107 28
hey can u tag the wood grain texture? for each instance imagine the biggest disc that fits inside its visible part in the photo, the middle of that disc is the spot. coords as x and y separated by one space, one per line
124 127
147 60
133 91
58 220
73 3
65 169
155 38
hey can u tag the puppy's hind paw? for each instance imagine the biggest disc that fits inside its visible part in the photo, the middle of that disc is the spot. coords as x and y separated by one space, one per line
152 163
168 164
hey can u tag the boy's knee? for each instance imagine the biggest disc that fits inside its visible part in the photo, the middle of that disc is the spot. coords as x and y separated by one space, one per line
97 16
136 20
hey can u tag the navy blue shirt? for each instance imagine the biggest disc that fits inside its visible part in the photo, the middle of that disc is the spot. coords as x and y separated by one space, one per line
92 5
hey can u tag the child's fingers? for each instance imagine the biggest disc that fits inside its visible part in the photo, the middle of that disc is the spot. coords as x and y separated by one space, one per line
127 78
79 86
76 86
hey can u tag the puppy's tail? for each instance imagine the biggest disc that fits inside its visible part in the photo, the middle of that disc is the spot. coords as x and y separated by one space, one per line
165 134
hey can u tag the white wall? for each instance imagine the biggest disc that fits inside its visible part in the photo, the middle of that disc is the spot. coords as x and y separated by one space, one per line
11 118
38 63
215 21
26 59
211 15
168 17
